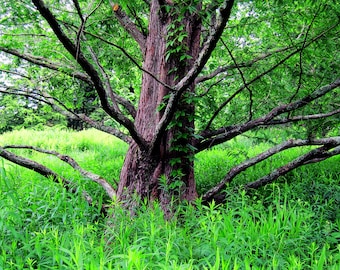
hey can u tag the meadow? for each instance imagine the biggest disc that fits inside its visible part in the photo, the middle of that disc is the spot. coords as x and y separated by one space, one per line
291 224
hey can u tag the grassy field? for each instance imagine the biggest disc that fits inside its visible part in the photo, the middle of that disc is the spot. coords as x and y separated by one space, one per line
292 224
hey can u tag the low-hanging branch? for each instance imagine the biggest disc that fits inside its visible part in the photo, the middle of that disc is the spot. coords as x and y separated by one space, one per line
44 171
47 172
67 70
314 156
318 154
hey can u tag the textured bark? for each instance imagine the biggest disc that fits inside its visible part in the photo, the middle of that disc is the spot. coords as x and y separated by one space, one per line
142 168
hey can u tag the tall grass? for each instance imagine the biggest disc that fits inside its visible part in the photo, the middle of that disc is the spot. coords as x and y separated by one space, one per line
293 224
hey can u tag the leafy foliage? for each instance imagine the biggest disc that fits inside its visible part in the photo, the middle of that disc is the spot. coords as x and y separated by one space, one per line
291 225
174 78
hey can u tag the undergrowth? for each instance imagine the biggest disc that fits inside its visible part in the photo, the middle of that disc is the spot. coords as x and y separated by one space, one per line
292 224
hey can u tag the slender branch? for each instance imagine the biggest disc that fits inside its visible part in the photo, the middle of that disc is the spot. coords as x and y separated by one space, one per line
260 57
44 171
326 142
61 108
302 118
261 75
44 62
244 86
301 55
134 61
243 80
67 159
34 96
106 77
100 126
223 69
210 87
68 70
15 73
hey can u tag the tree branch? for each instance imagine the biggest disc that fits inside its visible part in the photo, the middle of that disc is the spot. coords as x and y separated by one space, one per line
94 177
15 73
211 138
320 153
44 171
134 61
204 55
129 26
262 56
313 156
243 80
44 62
91 71
68 70
61 108
220 70
244 86
100 126
302 118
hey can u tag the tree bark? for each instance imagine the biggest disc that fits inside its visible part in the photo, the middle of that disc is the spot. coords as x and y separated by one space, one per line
171 159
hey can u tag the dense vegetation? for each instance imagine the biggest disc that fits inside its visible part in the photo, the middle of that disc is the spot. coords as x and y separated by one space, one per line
172 79
215 140
293 224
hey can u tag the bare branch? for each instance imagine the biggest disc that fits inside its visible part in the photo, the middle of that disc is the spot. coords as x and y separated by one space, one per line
302 118
61 108
223 69
328 143
68 70
107 80
211 138
100 126
210 87
134 61
313 156
243 79
94 177
301 55
44 171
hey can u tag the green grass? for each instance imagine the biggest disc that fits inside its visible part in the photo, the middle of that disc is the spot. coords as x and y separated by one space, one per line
292 224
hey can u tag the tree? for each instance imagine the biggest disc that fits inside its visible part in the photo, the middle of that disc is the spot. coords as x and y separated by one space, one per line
178 77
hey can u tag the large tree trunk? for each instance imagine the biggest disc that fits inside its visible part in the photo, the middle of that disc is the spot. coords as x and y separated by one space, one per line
172 161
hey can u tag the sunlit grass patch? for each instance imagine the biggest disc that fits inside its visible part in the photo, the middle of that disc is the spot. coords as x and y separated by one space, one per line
291 224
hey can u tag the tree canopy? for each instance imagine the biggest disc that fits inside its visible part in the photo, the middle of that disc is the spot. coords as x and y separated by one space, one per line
174 78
